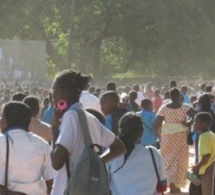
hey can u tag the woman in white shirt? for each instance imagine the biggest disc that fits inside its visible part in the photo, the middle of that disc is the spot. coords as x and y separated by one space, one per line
134 172
29 168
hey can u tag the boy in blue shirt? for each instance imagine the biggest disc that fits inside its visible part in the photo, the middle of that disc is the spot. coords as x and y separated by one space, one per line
147 115
112 109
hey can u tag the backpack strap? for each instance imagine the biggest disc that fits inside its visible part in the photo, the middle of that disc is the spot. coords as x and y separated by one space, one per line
84 128
86 135
156 170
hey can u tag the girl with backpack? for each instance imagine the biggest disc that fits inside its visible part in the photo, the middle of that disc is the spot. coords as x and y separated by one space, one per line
68 142
125 176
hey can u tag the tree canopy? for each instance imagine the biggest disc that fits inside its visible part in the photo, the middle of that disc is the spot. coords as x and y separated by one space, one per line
115 37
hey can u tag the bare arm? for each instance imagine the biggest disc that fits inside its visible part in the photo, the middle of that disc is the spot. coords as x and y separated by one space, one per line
204 160
117 148
59 156
49 184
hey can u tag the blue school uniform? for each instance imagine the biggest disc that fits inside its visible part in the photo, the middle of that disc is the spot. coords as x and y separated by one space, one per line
149 136
109 122
48 115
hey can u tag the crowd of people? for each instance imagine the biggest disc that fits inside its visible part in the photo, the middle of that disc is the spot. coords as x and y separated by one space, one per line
141 131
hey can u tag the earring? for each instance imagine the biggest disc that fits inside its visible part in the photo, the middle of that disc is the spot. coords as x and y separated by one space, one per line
62 105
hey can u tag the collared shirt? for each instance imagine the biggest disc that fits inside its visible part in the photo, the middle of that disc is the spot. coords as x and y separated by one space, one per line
29 162
71 138
138 175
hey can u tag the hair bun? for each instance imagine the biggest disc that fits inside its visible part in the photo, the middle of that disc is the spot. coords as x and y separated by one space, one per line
80 81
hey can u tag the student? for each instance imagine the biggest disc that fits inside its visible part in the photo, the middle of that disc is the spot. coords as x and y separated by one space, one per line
134 172
148 117
132 105
36 126
67 137
110 107
205 167
49 112
30 170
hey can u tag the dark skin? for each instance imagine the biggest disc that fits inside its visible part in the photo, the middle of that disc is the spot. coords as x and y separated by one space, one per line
201 127
175 104
59 153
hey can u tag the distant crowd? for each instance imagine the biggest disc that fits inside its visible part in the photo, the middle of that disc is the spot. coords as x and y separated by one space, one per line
142 132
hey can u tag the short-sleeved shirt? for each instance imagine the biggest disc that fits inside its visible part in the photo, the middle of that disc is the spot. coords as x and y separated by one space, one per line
138 175
29 162
149 136
206 146
71 138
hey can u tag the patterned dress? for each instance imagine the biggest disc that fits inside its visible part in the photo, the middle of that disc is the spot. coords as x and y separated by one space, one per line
174 147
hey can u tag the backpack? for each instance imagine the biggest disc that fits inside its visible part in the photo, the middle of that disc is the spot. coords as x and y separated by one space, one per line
90 176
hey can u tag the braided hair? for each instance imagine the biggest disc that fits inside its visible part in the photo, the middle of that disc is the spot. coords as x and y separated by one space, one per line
130 129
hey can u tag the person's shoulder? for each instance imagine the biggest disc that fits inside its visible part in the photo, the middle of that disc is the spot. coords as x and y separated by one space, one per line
207 136
38 140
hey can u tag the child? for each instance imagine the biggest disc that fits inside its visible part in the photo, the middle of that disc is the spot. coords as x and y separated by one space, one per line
148 117
132 105
134 173
205 167
110 107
